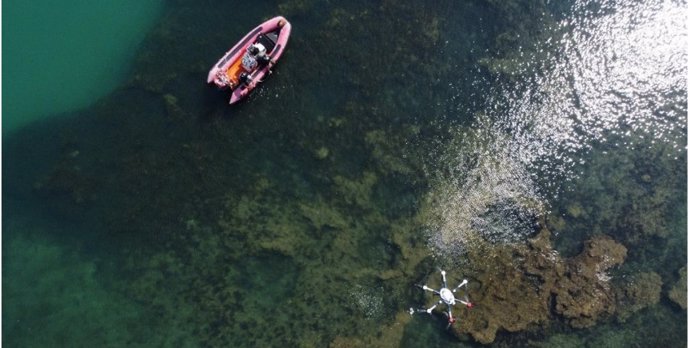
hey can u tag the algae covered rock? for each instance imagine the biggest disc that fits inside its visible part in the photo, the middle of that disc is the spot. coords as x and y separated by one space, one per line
560 341
66 288
389 335
69 178
679 291
356 191
521 287
585 293
508 296
642 290
600 253
172 107
321 153
385 153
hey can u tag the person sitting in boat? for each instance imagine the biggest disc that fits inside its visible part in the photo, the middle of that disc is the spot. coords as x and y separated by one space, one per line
256 55
249 61
261 57
245 78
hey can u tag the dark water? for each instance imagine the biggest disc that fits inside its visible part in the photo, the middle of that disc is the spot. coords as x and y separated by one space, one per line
392 139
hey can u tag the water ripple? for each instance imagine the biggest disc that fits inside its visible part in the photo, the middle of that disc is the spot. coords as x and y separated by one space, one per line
612 72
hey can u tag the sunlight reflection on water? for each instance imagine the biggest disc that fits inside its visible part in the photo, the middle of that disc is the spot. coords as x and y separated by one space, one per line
612 72
622 68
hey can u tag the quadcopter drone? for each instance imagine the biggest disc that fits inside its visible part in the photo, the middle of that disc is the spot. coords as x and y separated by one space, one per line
447 296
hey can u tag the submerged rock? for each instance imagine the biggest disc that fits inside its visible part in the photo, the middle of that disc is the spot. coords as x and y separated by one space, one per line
512 293
388 336
67 178
585 293
521 287
679 292
321 153
172 107
644 289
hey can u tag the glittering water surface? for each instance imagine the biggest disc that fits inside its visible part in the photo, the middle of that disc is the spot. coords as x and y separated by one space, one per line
611 72
392 138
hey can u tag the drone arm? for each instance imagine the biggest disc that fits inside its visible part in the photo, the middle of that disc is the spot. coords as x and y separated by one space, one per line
426 288
466 303
428 310
424 310
451 320
443 274
464 283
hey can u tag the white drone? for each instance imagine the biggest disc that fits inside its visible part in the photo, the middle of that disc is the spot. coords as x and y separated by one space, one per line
447 296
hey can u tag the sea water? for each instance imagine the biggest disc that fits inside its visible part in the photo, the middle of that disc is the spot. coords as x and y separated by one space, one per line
387 139
616 78
60 56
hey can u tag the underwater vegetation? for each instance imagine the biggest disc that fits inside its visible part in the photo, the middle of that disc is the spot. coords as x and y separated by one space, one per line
51 288
305 216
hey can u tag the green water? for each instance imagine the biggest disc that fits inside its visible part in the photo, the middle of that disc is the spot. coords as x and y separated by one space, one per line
63 55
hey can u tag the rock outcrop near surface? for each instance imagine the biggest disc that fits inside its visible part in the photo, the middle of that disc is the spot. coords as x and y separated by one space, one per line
520 287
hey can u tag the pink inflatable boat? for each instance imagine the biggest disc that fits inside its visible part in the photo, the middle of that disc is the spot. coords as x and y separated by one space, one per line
244 66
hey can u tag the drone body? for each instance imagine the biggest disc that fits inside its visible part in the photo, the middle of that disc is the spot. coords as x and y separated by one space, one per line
447 297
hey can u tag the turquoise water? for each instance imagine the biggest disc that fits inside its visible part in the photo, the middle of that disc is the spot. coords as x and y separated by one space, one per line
63 56
392 139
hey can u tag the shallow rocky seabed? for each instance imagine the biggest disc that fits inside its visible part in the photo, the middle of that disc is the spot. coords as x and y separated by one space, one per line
302 216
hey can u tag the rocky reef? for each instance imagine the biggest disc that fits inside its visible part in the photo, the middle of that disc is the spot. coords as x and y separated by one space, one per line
527 286
522 288
640 291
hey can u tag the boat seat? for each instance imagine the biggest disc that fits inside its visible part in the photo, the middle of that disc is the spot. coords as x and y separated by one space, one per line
268 40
